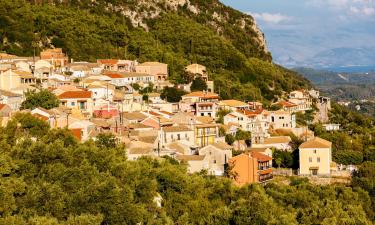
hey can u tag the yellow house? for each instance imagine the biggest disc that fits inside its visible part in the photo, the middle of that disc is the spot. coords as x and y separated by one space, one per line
315 157
205 134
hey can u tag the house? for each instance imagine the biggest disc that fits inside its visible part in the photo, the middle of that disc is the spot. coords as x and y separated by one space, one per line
118 65
196 163
254 121
46 115
154 98
277 142
11 79
81 100
101 90
55 56
288 106
250 167
133 117
83 69
315 157
201 103
244 169
219 155
264 166
176 133
265 151
281 119
156 69
302 99
85 126
205 133
126 78
233 105
12 99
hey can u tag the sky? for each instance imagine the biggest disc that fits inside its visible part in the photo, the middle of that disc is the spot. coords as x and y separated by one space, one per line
297 30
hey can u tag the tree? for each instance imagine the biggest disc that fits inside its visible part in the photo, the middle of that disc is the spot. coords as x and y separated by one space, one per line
106 140
229 139
198 84
43 98
172 94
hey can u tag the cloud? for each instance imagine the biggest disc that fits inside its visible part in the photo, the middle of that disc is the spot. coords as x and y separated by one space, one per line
365 11
275 18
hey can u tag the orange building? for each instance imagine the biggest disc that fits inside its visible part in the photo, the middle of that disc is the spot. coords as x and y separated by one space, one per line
250 167
55 56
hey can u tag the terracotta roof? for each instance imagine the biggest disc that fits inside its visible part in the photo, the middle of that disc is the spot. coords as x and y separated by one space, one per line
190 157
108 61
137 126
316 142
2 106
286 104
113 75
277 140
77 133
140 151
201 94
176 129
233 103
260 156
75 94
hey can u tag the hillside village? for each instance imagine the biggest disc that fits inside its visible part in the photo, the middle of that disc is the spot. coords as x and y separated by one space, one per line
127 99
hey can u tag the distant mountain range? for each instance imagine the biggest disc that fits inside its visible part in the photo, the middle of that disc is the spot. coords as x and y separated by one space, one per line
338 59
342 86
325 77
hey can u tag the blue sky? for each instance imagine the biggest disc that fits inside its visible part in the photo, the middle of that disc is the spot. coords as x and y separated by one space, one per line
302 28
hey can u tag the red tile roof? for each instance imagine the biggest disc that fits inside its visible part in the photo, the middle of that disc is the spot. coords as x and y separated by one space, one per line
2 106
260 156
75 94
108 61
113 75
286 104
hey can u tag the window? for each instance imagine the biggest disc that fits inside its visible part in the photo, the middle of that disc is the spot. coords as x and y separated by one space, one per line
72 103
178 137
318 159
315 151
310 159
215 161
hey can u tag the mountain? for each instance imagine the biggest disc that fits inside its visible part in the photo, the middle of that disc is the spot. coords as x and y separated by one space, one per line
343 57
177 32
342 86
325 77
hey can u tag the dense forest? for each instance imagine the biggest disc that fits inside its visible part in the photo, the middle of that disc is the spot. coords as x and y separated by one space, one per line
237 62
47 177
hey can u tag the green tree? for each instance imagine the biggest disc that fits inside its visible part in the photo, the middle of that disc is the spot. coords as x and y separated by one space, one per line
172 94
106 140
198 84
43 98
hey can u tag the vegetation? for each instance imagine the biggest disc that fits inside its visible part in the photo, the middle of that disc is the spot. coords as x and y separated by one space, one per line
355 142
172 94
239 66
53 179
42 98
198 84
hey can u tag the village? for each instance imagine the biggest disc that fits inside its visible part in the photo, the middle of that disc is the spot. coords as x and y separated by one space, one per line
222 137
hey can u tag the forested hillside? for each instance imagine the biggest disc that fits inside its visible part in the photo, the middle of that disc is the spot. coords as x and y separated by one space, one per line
48 178
175 32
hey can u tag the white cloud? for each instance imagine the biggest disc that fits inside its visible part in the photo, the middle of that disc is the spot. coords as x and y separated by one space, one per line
368 11
275 18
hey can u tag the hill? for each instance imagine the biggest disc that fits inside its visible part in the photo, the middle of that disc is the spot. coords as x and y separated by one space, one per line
179 32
